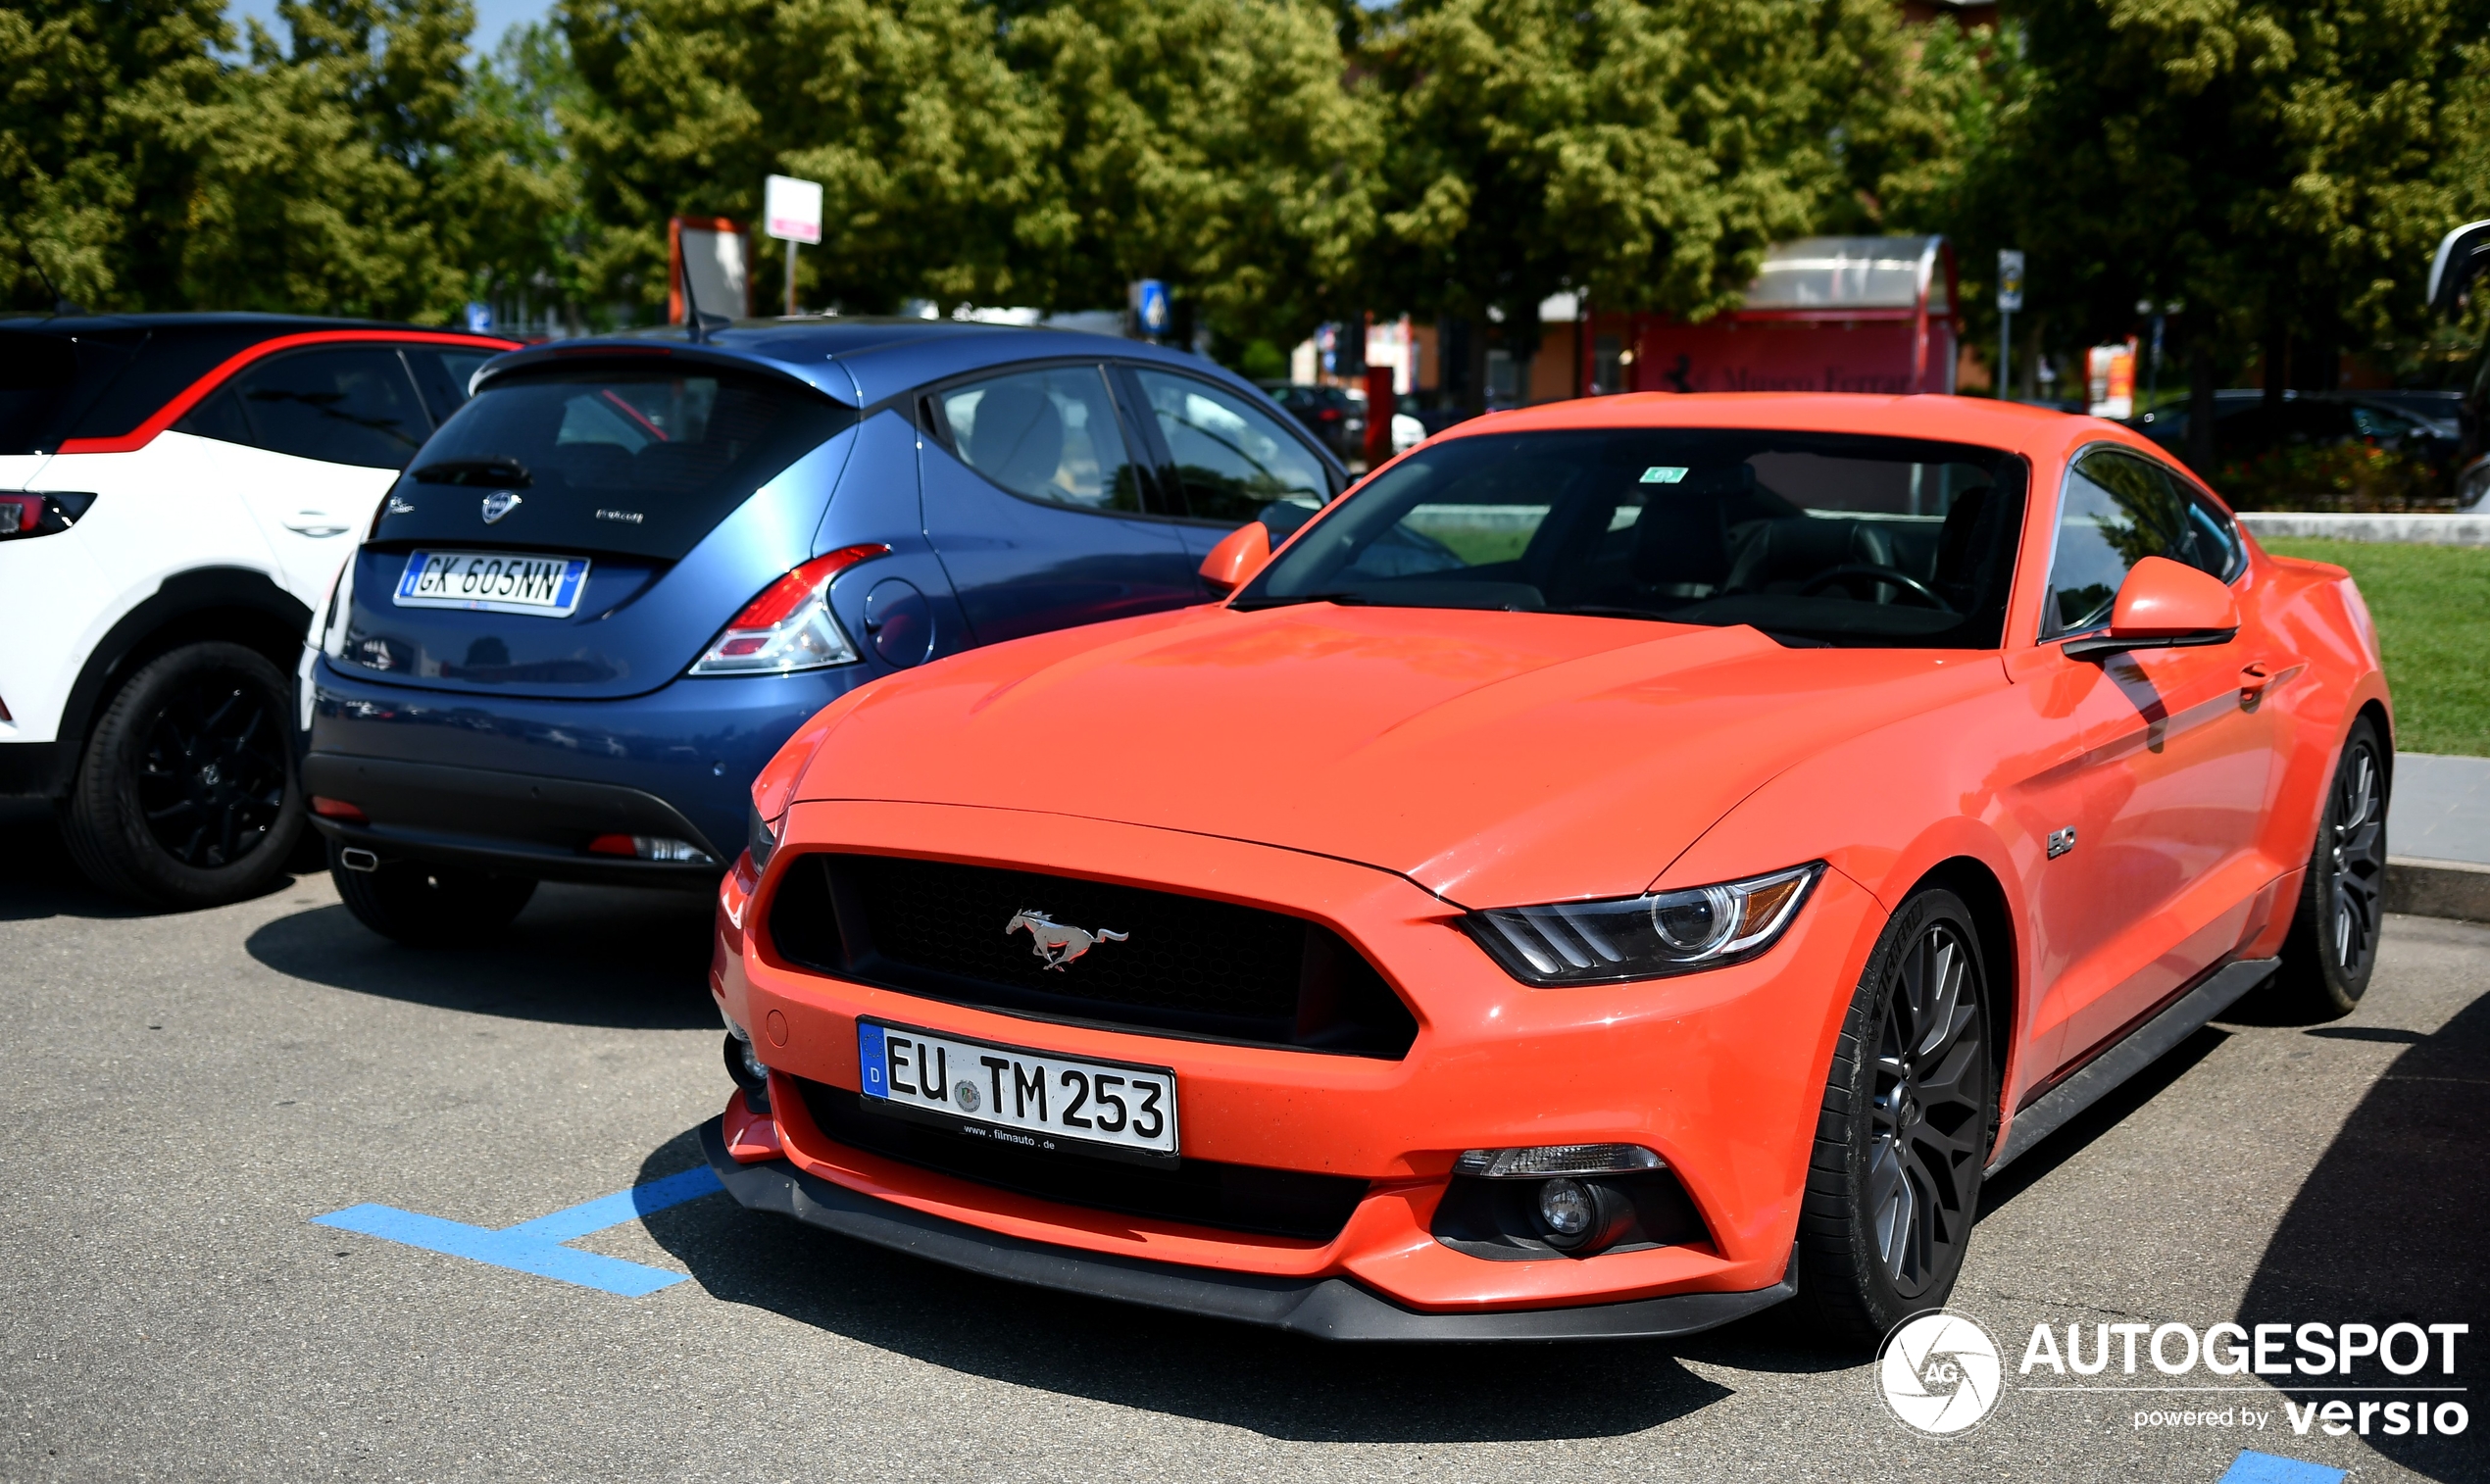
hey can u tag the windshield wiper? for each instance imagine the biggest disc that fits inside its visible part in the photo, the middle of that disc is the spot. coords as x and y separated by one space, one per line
500 473
1344 599
1611 611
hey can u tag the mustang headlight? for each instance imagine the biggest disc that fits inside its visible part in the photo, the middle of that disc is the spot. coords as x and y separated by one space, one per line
1669 932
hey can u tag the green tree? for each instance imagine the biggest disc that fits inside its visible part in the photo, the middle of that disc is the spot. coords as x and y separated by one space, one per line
1646 154
87 188
933 155
358 168
2277 163
363 170
518 185
1215 144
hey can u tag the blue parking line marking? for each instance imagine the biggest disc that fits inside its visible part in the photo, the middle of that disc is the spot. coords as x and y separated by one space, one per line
615 1210
536 1247
2252 1468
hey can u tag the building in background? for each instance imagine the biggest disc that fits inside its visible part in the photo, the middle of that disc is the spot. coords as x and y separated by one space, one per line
1826 314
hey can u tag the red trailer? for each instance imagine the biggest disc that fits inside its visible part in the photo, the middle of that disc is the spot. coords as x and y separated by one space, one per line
1826 314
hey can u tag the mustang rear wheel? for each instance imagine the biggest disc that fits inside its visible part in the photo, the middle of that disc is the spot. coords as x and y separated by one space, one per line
428 905
1907 1116
185 794
2333 947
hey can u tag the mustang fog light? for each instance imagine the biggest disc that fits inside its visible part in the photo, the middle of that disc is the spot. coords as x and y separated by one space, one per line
1556 1159
749 1073
1582 1216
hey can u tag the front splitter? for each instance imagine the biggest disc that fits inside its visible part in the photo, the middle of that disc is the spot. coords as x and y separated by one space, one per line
1331 1309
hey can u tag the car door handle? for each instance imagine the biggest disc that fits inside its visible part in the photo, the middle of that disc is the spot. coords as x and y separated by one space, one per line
315 523
2257 678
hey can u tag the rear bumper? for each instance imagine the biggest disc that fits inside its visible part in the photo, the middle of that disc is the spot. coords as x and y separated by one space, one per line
518 785
517 825
1326 1307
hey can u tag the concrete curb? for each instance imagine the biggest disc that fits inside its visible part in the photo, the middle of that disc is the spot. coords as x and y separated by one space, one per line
2420 530
2455 889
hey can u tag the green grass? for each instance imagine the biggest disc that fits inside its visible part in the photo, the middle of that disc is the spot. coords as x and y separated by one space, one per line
2432 605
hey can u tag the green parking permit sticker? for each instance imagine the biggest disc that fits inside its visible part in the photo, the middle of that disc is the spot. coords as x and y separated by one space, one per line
1662 473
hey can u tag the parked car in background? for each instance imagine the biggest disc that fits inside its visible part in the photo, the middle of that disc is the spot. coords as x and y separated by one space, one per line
1332 414
1408 431
175 493
2247 428
614 585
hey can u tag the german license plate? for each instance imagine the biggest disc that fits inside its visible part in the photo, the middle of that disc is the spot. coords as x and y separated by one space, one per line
493 581
1035 1099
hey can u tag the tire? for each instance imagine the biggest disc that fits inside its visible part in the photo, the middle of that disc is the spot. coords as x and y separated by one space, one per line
186 794
427 905
1910 1113
2333 947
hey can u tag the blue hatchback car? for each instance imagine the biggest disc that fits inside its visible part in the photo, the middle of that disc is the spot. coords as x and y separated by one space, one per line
608 588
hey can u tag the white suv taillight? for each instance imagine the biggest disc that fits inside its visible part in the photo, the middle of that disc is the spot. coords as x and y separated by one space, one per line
789 628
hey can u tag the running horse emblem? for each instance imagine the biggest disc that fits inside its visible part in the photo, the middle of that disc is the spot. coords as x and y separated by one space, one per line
1057 944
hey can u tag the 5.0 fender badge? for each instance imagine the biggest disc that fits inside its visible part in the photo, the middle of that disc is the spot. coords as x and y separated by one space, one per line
498 504
1057 944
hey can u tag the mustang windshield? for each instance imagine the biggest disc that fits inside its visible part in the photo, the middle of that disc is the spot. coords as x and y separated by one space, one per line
1815 538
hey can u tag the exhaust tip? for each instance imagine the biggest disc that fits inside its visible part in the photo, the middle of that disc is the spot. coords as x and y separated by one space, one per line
356 857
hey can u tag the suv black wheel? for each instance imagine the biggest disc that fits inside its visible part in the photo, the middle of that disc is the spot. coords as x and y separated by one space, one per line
2333 947
1907 1118
186 794
428 905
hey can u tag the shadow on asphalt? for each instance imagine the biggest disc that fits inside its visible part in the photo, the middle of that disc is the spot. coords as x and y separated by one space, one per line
608 956
1278 1385
38 879
2390 1227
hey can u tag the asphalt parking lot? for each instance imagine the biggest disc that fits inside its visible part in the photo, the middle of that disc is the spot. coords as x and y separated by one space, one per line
186 1093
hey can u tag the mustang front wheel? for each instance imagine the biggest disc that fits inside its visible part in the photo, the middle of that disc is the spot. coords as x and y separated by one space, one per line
1906 1126
2333 947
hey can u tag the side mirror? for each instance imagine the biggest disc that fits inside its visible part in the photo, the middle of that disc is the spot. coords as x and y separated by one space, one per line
1240 555
2165 605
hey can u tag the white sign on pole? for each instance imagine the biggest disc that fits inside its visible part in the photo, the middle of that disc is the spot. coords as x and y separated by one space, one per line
2009 280
792 209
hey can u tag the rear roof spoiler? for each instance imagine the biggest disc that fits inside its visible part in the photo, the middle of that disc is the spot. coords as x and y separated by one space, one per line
832 382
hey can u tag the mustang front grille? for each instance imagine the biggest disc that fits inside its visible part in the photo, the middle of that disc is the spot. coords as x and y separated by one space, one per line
1283 1202
1060 948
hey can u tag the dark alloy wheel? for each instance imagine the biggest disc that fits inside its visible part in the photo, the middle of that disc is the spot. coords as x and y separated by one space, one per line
185 794
211 774
2333 947
1909 1115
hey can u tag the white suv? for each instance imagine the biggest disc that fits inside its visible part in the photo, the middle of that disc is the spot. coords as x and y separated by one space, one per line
176 492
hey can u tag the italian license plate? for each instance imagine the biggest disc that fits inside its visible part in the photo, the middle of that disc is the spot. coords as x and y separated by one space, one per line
1034 1099
493 581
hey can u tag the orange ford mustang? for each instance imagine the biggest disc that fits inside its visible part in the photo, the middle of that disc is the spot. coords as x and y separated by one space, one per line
1624 865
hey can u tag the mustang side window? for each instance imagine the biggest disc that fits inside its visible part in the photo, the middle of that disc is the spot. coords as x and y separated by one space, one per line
2116 510
1045 436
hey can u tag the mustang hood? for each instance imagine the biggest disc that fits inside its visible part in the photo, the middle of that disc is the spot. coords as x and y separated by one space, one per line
1493 758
